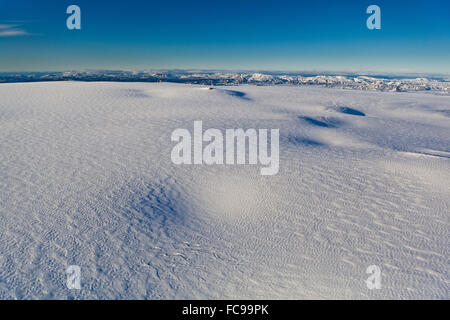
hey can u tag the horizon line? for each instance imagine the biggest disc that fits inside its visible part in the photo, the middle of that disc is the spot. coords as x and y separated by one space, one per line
328 72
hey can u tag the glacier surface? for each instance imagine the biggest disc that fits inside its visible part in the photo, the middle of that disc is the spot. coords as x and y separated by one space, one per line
86 179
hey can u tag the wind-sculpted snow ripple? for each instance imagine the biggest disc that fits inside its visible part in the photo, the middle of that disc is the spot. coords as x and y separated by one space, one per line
86 179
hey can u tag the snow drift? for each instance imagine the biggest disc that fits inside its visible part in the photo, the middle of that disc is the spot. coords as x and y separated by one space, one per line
86 179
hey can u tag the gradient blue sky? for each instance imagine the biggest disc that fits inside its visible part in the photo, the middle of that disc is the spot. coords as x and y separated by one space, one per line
322 35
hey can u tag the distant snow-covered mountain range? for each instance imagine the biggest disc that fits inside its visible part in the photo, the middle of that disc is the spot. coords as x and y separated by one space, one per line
398 83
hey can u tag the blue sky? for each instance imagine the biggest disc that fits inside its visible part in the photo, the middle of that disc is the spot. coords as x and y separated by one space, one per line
321 35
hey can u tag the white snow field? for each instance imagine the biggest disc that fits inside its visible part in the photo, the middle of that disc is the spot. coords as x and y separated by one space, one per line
86 179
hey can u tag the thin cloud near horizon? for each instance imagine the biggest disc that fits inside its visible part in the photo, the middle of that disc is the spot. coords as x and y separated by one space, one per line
12 30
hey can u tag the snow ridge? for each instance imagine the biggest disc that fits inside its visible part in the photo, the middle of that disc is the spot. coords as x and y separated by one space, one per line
397 83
